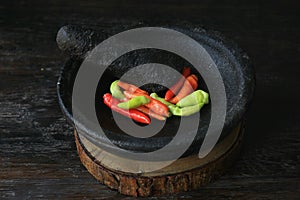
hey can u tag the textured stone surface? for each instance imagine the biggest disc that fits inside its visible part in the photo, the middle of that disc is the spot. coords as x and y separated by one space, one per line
232 62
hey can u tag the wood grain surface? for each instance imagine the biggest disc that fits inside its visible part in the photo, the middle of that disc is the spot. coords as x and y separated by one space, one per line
185 174
38 157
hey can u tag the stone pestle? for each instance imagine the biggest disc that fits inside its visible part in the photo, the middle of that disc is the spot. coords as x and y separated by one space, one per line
76 40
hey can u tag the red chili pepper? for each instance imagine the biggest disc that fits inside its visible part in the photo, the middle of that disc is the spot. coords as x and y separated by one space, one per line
188 87
131 88
154 105
176 87
147 111
131 113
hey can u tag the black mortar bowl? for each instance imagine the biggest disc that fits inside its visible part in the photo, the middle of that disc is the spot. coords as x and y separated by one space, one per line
233 64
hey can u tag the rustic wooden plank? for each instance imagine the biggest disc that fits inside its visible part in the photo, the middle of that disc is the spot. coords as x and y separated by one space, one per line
38 156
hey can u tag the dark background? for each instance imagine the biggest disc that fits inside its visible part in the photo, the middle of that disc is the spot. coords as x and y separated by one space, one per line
38 157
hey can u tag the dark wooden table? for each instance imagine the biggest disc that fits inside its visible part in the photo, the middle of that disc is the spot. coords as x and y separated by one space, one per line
38 157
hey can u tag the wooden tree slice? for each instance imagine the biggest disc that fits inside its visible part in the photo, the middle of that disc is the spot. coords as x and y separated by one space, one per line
189 173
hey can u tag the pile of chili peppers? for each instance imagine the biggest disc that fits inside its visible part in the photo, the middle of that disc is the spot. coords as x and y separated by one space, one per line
182 99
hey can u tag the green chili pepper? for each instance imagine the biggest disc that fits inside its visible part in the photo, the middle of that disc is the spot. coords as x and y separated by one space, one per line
185 111
206 97
155 96
134 102
116 91
195 98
